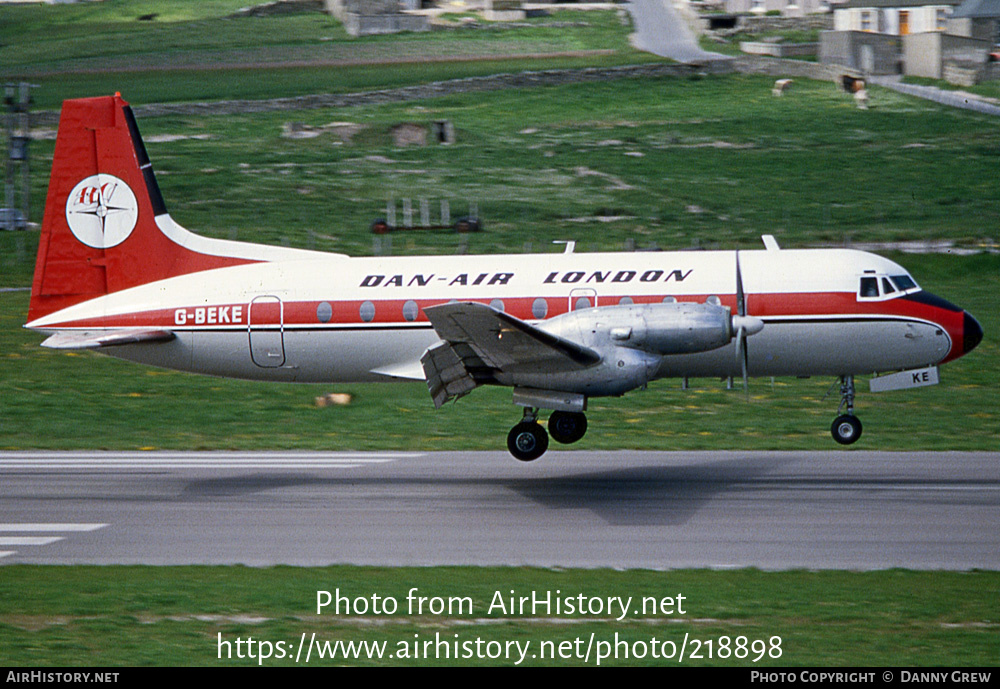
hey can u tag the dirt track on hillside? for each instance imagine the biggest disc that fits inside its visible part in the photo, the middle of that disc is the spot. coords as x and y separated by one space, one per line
301 64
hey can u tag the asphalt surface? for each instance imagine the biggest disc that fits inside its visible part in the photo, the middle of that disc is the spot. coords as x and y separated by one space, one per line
773 510
660 30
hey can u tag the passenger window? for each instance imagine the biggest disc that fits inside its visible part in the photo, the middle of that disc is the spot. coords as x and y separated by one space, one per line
539 308
887 287
869 287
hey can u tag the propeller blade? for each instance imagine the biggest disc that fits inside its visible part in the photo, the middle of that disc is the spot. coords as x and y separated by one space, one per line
741 306
746 363
743 324
742 357
740 335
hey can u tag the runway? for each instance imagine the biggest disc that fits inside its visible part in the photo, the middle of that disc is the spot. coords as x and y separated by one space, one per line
661 510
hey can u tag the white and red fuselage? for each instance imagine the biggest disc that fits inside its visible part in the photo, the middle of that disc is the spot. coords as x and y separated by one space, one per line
331 318
115 272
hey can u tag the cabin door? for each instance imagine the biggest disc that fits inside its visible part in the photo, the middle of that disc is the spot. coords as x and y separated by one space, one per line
267 332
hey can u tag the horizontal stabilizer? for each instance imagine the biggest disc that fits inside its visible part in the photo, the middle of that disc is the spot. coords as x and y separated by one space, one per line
94 339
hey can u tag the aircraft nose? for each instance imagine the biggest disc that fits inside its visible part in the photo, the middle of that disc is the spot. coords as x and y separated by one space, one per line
972 333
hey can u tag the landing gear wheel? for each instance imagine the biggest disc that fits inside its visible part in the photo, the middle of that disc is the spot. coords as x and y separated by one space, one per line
567 427
846 429
527 441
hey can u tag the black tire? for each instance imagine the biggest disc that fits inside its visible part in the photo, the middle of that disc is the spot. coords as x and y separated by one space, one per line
567 427
527 441
846 429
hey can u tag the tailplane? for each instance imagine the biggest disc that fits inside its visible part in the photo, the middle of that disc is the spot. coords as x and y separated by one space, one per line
106 227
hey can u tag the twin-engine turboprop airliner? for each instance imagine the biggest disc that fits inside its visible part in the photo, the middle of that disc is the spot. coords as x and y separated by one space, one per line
115 273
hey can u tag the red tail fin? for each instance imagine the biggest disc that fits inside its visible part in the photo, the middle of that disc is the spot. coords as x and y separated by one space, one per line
106 227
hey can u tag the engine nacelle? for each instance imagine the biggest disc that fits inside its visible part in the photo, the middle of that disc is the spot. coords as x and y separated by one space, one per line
674 328
680 328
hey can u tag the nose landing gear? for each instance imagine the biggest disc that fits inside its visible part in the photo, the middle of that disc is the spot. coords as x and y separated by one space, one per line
846 428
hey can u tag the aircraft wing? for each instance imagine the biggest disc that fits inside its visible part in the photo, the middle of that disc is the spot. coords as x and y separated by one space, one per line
93 339
479 341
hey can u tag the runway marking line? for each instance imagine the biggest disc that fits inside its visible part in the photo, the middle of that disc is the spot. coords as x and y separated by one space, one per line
37 526
212 460
132 466
204 456
40 527
29 540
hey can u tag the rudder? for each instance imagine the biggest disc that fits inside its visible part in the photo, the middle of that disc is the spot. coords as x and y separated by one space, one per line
67 269
101 231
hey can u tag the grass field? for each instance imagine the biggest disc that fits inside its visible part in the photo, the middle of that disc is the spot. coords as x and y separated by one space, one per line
114 616
719 162
730 45
676 163
196 51
665 163
104 403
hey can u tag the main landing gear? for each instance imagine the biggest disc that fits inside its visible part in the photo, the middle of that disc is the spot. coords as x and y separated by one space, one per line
528 440
846 428
567 427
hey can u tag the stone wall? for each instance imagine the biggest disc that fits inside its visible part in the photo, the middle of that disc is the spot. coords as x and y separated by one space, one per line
745 64
963 74
963 59
495 82
339 8
372 24
779 49
960 75
753 24
370 17
776 67
765 24
280 7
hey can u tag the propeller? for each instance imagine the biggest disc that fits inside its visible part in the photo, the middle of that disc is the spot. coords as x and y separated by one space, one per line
744 326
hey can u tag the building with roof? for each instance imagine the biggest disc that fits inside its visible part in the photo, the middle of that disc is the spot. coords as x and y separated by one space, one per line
977 19
788 8
894 17
948 39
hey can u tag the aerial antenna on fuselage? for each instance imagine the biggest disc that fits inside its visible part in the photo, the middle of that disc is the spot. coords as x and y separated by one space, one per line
570 245
770 243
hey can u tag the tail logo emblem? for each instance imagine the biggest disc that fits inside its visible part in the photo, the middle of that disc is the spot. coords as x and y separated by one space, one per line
101 211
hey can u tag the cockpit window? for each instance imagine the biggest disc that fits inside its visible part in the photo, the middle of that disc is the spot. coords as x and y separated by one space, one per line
875 286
